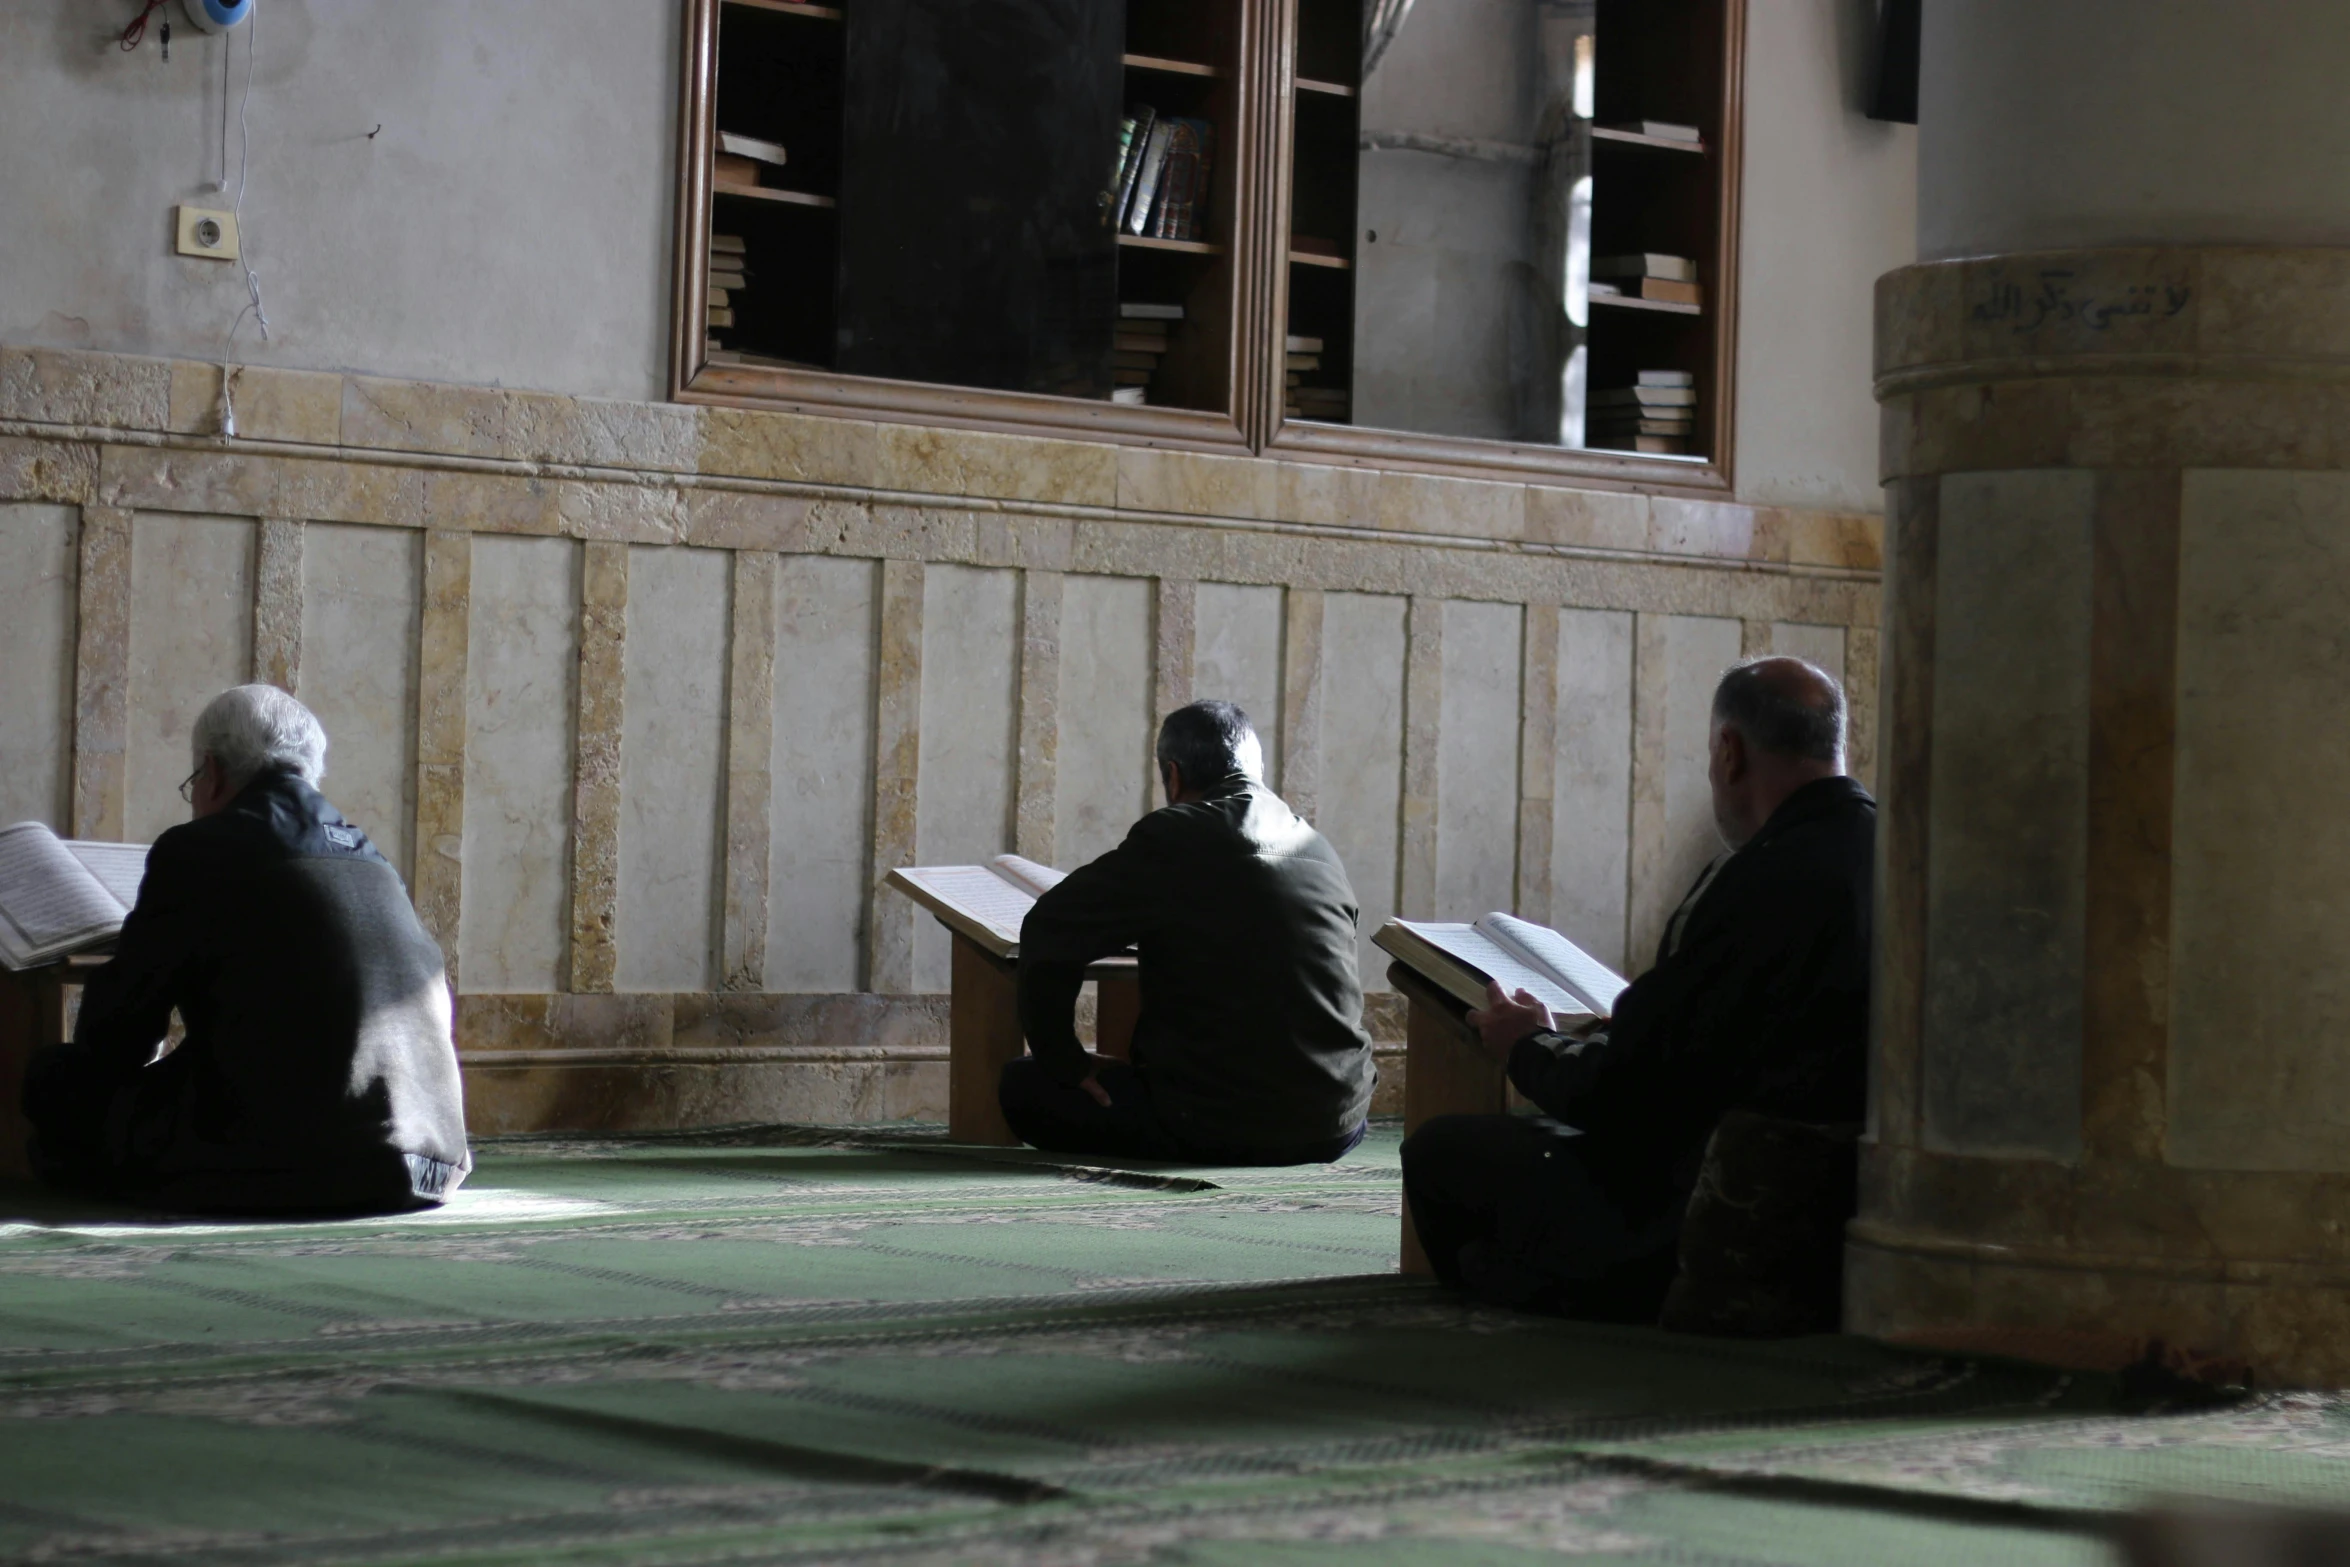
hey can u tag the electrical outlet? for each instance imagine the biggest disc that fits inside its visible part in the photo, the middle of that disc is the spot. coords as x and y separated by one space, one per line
212 235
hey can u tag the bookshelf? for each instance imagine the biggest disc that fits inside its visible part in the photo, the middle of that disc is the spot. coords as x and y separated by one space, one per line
1299 237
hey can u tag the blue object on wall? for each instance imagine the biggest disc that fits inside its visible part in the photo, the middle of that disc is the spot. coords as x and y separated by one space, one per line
216 15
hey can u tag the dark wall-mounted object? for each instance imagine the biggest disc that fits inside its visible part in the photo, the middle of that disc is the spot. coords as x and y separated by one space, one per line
977 136
1893 82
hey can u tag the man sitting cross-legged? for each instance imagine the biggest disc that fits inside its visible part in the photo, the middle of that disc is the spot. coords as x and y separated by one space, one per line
317 1072
1249 1048
1758 1000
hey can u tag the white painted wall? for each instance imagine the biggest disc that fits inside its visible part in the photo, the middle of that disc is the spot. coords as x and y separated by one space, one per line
509 224
1829 204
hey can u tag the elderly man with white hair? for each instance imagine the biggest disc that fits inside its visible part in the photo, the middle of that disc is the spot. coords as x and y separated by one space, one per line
317 1073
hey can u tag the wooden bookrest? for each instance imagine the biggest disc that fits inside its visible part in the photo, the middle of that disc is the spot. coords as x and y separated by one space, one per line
32 1014
1446 1072
983 1032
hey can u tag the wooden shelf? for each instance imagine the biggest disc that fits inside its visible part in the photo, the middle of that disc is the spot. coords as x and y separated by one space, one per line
1601 133
1188 247
794 198
815 13
1670 307
1307 258
1333 89
1167 67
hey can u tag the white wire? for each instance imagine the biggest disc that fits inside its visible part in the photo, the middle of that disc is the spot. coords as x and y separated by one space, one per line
253 307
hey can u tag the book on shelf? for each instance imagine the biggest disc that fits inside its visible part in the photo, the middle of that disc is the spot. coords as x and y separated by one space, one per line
1298 361
721 316
1146 120
1141 310
1513 953
1662 130
727 169
718 297
1130 377
734 144
1130 396
1644 397
1183 187
1666 378
1151 169
1303 345
1110 192
60 896
1132 359
728 278
727 245
1296 380
1644 427
1649 445
1139 342
984 902
1652 263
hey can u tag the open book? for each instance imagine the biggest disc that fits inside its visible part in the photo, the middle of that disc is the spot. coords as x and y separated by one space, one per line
985 902
1518 953
59 896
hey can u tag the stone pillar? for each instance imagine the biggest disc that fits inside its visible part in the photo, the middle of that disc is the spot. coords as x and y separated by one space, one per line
2111 1085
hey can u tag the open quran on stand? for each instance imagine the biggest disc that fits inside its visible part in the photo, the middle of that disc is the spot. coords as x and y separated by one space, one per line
60 896
984 902
1517 954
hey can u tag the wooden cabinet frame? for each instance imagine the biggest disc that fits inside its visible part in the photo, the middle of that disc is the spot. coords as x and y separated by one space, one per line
1256 155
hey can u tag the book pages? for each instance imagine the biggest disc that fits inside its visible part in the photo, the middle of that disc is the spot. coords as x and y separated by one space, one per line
119 867
974 899
1034 879
49 903
1592 982
1470 949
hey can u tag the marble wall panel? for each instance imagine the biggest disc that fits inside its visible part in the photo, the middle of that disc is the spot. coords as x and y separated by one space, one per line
1237 657
827 631
1820 645
521 675
1362 753
2008 815
2260 890
38 548
1680 659
1591 792
970 736
1105 715
1477 760
191 639
673 768
362 613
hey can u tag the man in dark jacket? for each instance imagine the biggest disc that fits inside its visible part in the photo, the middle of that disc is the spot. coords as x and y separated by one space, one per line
1758 1000
317 1071
1249 1048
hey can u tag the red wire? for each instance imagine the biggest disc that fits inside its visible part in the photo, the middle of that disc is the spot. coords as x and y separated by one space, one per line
137 31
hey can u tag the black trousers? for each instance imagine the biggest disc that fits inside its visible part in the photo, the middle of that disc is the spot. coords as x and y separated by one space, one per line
1061 1118
1507 1210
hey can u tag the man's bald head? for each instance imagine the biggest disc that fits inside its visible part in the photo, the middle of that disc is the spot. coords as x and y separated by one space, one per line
1778 725
1784 707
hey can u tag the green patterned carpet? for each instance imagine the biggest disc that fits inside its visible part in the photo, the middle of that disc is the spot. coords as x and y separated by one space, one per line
791 1345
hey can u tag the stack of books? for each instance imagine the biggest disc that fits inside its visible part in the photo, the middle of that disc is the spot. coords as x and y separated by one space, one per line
728 278
1672 279
1159 179
1310 397
1656 413
1135 351
738 159
1662 130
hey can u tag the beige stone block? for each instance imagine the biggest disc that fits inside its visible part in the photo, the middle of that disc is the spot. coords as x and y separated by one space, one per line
2292 303
835 1024
62 386
1918 316
489 503
1307 493
2175 422
1195 484
425 416
606 432
595 822
1591 519
40 470
2121 301
1036 764
897 755
2011 424
746 444
102 673
1685 527
924 461
487 1024
1853 540
277 603
913 533
621 512
753 520
1425 503
1423 738
271 404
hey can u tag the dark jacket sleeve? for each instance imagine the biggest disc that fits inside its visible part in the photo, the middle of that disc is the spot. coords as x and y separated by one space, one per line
1101 908
126 1006
1690 1026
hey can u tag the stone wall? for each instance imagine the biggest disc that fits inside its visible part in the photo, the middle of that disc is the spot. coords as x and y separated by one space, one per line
643 699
